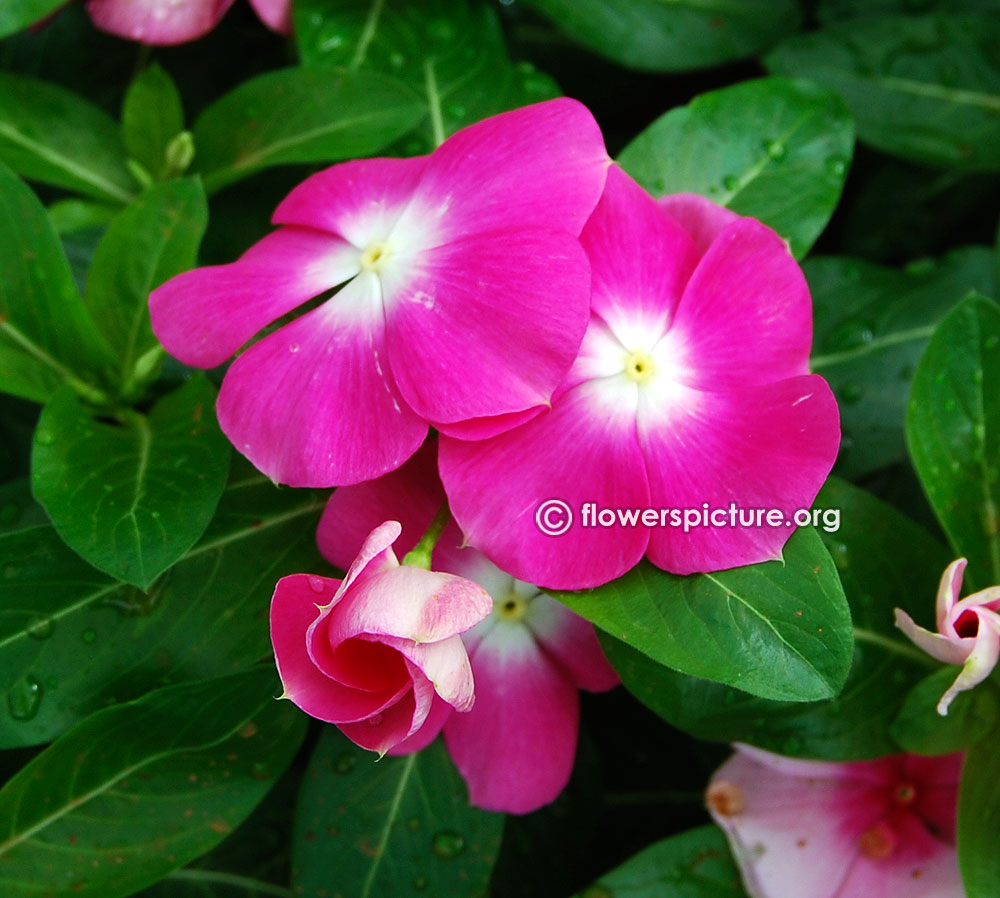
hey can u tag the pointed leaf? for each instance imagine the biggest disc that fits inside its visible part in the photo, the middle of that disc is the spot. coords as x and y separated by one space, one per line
16 16
152 116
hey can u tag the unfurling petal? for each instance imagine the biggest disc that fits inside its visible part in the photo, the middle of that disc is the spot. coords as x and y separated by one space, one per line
158 22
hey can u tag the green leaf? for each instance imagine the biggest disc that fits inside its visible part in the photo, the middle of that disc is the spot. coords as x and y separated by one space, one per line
155 238
885 560
16 16
870 326
694 864
921 730
137 790
152 117
450 53
72 215
775 149
671 37
46 336
838 10
72 639
385 829
979 820
18 509
953 433
50 135
779 630
131 496
300 115
925 88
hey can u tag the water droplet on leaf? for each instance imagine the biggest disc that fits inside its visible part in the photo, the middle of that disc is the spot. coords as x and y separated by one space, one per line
420 883
89 636
448 843
836 165
851 393
344 763
41 627
730 182
44 436
413 824
775 149
24 698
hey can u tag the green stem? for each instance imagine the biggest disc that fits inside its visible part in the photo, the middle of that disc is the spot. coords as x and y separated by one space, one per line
253 886
420 555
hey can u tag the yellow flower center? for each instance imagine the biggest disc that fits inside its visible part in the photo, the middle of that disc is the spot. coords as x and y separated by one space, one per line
374 257
640 366
513 607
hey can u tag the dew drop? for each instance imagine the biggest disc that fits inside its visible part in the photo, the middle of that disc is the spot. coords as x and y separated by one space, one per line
344 763
851 393
397 60
260 771
44 436
375 720
420 883
317 584
89 636
455 110
992 342
293 347
836 165
730 182
448 843
775 149
977 376
851 333
24 698
9 513
41 627
413 824
441 30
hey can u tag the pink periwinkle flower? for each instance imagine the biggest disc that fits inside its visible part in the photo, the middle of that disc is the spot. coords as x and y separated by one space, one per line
465 296
690 387
375 652
968 631
530 657
166 22
866 829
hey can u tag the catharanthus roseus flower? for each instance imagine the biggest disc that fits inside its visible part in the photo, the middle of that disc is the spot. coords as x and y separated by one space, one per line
466 295
530 657
968 631
165 22
690 387
865 829
374 652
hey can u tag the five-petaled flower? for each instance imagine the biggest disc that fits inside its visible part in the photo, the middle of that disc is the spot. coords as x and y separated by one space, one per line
373 653
968 631
166 22
465 296
530 657
865 829
691 386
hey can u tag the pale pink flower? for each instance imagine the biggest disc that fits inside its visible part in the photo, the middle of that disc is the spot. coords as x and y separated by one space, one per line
691 387
166 22
865 829
465 296
530 657
374 652
968 631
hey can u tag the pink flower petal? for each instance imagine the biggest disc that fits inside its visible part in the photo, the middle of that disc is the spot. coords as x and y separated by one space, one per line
293 612
159 22
411 494
702 219
203 316
948 593
571 641
981 661
515 748
539 166
361 201
276 14
747 284
950 650
437 716
291 404
490 426
641 260
444 663
381 731
769 446
584 449
486 325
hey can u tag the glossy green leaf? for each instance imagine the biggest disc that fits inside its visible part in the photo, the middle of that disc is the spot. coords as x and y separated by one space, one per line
979 819
870 326
775 149
18 508
694 864
131 496
672 37
779 630
885 560
839 10
72 215
953 433
50 135
925 88
19 15
152 117
300 115
155 238
972 715
450 53
46 336
72 639
137 790
389 828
